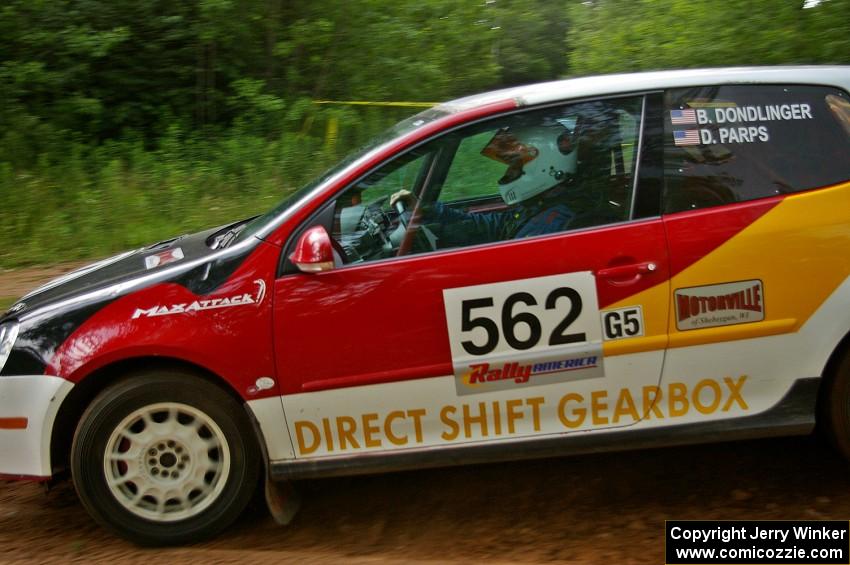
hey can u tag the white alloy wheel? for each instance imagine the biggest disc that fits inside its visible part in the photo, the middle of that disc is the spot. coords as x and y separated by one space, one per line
165 457
166 462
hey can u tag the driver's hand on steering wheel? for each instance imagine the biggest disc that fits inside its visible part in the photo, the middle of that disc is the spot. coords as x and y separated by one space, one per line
407 199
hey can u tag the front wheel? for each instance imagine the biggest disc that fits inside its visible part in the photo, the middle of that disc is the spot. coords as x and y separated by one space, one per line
164 458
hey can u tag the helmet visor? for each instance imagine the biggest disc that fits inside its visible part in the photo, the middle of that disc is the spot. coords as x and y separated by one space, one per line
505 148
514 172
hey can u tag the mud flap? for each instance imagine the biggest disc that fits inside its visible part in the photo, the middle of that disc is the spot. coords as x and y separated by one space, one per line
283 501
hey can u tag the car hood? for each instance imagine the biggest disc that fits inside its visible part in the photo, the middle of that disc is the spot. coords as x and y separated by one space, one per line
118 269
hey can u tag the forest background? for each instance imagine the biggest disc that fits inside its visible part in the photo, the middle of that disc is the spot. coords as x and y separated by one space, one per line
127 121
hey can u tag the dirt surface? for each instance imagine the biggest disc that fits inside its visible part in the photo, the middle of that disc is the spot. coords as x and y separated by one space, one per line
595 509
15 283
607 508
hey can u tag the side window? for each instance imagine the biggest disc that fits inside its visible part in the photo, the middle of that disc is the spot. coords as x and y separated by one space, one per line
366 226
727 144
524 175
471 176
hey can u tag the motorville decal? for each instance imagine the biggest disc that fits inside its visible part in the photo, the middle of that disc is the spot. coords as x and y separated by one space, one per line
719 305
206 304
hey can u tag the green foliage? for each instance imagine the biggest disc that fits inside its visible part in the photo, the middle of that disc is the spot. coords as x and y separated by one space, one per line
633 35
96 200
530 40
123 122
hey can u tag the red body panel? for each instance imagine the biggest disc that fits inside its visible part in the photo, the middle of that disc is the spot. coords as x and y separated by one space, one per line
233 342
385 321
693 235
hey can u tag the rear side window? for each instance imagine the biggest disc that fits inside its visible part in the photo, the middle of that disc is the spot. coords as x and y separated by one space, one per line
725 144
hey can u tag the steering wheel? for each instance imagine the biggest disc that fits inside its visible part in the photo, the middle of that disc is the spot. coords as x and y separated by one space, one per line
414 230
375 221
401 209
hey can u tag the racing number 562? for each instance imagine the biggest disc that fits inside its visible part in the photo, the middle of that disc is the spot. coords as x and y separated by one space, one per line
510 320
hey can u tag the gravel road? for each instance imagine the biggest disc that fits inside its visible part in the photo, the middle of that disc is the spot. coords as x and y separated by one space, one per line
607 508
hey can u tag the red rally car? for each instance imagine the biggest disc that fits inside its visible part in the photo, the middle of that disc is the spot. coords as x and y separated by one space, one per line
597 263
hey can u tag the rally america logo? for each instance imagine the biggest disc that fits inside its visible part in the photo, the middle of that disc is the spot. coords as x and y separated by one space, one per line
487 377
719 305
207 304
480 373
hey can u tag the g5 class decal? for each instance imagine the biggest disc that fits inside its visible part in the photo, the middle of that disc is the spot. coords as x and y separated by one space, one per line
522 333
242 299
622 323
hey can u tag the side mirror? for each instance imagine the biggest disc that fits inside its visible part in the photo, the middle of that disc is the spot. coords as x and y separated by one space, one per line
314 251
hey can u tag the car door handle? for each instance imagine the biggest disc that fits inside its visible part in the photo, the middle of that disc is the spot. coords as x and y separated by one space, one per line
622 275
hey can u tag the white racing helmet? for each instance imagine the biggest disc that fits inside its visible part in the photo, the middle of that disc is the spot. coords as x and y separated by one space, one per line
538 157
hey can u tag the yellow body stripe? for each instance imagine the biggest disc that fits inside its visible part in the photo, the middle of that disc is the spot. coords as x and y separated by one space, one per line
800 250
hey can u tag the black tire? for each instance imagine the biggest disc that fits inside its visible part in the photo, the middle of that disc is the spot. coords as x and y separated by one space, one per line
200 414
835 405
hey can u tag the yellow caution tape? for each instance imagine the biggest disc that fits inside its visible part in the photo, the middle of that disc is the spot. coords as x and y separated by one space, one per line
366 103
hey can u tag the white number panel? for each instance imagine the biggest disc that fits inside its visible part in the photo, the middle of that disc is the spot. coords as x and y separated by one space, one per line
524 333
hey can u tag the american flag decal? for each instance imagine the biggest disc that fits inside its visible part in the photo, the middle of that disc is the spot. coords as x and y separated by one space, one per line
686 137
686 117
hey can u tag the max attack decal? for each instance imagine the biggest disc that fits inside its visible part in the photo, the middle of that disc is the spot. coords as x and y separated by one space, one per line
209 304
719 305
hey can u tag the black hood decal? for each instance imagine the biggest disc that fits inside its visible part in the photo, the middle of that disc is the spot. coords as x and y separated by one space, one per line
37 343
43 332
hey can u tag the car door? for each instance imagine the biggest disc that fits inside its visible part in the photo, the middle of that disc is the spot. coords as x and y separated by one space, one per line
467 336
756 209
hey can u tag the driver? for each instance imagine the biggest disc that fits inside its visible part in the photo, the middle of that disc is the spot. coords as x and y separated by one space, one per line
541 162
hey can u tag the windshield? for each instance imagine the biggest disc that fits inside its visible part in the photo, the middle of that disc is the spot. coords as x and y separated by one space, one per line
403 127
